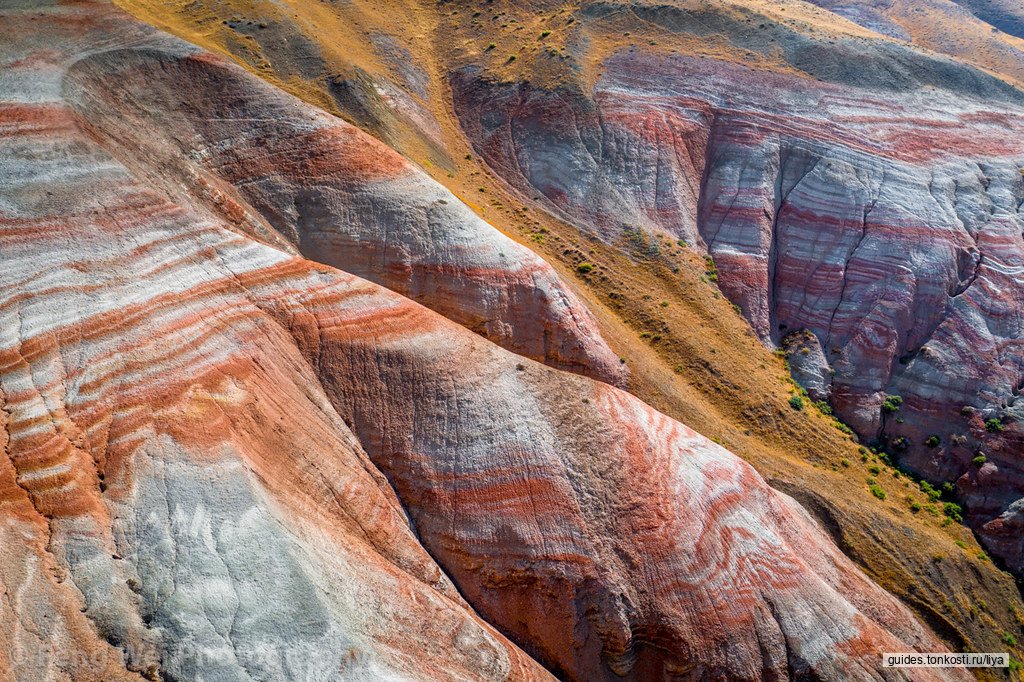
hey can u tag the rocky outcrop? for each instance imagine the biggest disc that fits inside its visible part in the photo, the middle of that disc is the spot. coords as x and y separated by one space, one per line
886 225
195 425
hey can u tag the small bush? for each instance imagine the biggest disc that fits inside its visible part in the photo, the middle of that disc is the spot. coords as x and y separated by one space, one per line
961 544
933 441
892 404
994 425
915 506
845 463
545 34
585 268
983 557
875 469
823 407
1009 639
796 402
877 491
979 461
953 510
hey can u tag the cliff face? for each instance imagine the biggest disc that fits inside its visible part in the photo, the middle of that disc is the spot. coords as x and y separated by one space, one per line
876 206
225 460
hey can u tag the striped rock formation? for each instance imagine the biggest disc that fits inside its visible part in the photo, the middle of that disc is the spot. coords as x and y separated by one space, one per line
868 194
276 167
195 426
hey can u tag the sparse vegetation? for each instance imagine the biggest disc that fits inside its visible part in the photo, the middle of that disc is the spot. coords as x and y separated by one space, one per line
933 441
710 269
796 402
585 268
892 404
979 461
994 425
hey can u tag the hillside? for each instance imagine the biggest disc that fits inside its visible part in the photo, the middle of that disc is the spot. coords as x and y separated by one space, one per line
642 138
240 327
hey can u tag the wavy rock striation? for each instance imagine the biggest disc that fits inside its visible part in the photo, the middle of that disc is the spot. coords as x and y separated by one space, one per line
880 211
193 423
277 167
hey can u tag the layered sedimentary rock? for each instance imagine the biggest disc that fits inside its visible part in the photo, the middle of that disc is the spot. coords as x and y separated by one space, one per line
276 166
875 206
195 425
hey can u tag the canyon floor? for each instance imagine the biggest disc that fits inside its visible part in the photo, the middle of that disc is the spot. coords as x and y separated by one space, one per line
499 340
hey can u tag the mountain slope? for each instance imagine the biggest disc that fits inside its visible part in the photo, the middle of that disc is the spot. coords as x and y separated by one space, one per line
608 131
195 423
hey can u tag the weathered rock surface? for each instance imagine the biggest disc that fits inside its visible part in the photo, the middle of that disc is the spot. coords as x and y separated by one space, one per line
271 164
876 205
194 426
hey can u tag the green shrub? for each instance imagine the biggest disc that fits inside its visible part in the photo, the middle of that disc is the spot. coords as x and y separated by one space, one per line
796 402
545 34
915 506
584 268
1009 639
875 469
994 425
953 511
979 460
877 491
892 404
933 441
845 463
823 407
